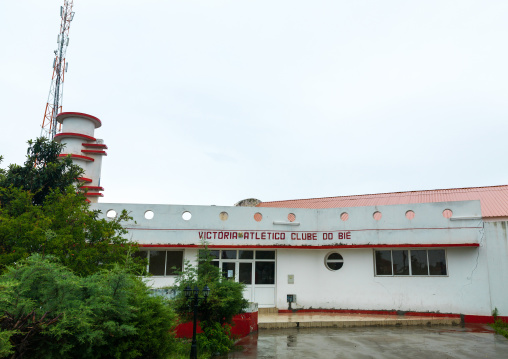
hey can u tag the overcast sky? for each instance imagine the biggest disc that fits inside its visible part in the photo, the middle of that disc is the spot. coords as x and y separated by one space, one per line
210 102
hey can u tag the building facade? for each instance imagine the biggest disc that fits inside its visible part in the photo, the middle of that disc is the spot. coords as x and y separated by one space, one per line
428 251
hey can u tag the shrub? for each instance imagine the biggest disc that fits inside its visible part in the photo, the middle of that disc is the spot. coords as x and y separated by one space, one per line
52 313
226 296
216 313
215 339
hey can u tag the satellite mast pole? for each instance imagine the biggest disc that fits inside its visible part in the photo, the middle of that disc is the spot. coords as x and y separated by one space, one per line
55 97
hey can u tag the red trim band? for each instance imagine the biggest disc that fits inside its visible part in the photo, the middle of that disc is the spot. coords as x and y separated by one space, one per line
346 246
84 179
94 194
468 319
274 230
345 311
96 188
78 157
95 152
96 145
74 134
62 116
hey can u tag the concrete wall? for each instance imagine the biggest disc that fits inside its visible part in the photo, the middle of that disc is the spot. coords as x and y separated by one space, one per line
354 286
496 247
167 227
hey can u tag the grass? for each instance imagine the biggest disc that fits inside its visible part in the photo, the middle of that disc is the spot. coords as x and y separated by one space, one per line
500 327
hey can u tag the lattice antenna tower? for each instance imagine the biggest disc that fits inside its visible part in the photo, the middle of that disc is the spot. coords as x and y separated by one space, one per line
60 66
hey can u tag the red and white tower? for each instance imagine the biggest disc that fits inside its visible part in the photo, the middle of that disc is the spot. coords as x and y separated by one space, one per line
85 150
55 97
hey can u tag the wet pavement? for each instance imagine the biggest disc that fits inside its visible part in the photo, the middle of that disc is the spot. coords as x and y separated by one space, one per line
471 341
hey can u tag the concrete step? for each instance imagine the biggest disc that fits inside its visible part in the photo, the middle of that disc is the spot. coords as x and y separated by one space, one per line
262 311
292 320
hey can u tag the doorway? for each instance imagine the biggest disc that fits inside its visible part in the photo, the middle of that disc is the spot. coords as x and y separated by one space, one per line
254 268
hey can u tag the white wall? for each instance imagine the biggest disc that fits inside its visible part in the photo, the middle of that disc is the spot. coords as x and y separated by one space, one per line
496 244
354 286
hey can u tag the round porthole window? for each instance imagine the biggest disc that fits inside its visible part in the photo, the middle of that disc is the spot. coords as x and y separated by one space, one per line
334 261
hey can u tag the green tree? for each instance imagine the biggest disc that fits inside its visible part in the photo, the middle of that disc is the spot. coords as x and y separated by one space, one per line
41 212
42 173
62 226
49 312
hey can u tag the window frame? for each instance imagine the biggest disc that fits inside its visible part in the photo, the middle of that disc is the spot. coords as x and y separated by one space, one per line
218 261
341 260
165 261
410 264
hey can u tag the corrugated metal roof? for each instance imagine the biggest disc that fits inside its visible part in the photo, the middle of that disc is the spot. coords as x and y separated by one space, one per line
494 199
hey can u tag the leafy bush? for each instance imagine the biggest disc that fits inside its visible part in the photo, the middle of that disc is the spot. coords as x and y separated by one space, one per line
52 313
226 296
216 313
500 326
215 339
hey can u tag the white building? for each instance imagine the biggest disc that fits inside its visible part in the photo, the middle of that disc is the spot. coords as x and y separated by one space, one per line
440 251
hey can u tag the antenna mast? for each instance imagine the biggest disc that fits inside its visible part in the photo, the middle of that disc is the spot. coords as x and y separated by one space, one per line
55 97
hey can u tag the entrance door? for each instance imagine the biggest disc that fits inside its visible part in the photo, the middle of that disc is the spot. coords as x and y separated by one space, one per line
264 279
255 269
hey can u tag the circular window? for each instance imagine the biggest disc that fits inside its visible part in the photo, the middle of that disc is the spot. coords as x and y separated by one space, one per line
344 216
149 214
111 213
410 214
447 213
258 217
186 215
334 261
224 216
291 217
377 215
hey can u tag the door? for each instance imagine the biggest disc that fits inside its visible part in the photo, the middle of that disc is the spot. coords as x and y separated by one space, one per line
255 269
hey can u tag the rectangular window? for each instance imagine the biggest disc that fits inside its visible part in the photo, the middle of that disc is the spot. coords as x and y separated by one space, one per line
414 262
437 262
246 273
265 272
419 264
157 262
228 254
384 262
228 270
245 254
265 254
400 262
174 262
163 263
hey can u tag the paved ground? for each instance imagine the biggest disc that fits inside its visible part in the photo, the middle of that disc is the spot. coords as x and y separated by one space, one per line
472 341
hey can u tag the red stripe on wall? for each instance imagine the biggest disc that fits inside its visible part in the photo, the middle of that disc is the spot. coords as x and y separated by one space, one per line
84 179
74 134
63 115
79 157
95 152
275 230
435 245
